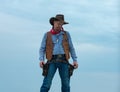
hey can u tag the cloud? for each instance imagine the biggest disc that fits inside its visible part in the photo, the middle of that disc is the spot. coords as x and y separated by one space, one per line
11 23
94 30
93 24
102 14
95 81
94 57
94 48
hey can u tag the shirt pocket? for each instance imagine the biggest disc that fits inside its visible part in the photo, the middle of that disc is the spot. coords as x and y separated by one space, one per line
54 40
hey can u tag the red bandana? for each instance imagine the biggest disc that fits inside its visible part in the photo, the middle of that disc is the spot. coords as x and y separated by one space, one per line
54 33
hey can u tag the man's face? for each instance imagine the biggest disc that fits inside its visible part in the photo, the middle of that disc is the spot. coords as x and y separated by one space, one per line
57 25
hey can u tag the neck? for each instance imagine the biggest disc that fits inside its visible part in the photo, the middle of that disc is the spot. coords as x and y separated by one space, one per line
55 31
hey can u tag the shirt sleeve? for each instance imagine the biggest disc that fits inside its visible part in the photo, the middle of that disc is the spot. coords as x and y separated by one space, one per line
71 47
42 48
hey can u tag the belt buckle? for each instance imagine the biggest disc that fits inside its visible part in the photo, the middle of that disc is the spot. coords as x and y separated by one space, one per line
59 56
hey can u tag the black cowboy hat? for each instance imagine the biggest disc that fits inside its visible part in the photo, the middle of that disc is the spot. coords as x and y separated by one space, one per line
59 17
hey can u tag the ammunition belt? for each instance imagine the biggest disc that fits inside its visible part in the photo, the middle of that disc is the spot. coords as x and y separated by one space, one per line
59 58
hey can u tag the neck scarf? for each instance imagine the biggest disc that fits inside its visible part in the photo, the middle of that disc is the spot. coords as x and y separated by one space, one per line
54 32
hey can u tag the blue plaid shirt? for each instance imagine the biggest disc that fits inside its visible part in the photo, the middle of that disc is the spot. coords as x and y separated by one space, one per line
58 48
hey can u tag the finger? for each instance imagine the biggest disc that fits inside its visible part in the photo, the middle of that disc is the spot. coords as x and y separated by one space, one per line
41 65
75 66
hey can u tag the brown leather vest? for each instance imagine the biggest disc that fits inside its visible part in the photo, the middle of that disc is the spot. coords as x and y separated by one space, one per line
49 46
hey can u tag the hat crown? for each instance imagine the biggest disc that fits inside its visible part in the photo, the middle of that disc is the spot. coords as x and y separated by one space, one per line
60 17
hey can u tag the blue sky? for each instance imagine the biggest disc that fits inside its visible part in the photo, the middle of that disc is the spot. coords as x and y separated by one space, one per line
94 28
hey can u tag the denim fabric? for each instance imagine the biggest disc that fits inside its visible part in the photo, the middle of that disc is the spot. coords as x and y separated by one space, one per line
58 47
64 75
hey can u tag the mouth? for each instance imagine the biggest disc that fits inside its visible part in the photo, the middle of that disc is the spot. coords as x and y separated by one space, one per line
58 28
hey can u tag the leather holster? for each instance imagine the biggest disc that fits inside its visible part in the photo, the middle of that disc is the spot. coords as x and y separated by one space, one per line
45 69
71 69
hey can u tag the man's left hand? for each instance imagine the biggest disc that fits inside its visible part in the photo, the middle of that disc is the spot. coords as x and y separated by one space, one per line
75 64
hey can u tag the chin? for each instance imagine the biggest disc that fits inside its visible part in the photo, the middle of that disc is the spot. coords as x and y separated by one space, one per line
57 30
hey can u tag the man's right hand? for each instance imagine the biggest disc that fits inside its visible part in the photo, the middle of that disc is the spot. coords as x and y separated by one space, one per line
41 64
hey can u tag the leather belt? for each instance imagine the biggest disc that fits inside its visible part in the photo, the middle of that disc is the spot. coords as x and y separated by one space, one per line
58 58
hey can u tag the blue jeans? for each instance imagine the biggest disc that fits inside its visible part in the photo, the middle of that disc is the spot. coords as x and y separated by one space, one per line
64 75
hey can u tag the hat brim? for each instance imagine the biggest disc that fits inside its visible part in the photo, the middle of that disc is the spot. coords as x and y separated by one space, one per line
52 19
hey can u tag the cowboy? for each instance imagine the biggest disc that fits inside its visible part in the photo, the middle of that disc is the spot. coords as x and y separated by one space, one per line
57 46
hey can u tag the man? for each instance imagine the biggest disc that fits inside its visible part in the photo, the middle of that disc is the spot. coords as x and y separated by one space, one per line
57 45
